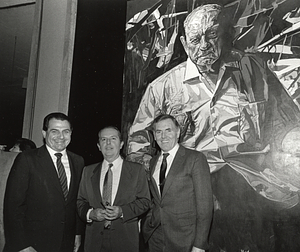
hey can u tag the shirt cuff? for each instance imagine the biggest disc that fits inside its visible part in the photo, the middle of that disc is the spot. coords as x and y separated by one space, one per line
88 220
197 250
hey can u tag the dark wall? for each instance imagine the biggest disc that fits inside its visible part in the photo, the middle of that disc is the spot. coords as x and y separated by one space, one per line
97 74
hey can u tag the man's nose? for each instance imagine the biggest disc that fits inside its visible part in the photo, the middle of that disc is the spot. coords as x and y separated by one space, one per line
108 141
204 44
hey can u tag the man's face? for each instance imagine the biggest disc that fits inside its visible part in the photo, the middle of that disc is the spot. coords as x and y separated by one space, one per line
203 44
166 134
58 135
110 144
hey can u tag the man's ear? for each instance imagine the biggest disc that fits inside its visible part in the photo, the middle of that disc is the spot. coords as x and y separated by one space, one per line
99 146
44 133
121 145
183 42
178 133
154 135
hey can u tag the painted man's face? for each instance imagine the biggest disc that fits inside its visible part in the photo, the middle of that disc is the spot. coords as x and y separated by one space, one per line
202 43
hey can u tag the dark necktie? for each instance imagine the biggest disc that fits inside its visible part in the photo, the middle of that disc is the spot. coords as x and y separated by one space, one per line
107 191
162 173
62 175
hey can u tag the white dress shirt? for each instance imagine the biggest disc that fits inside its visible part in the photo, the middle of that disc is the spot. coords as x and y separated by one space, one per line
116 174
64 160
170 159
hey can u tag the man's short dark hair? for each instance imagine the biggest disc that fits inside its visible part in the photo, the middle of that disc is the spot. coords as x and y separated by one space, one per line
25 144
57 116
111 127
162 117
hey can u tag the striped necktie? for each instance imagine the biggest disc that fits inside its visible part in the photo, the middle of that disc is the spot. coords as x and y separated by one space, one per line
62 175
107 191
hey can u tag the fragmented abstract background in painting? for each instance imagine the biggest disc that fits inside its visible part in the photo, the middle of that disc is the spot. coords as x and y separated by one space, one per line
243 219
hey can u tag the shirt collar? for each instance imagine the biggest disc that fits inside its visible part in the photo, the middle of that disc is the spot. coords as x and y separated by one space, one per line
115 163
191 72
173 151
52 152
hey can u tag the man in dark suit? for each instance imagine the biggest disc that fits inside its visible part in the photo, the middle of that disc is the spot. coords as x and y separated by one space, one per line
182 205
41 193
112 215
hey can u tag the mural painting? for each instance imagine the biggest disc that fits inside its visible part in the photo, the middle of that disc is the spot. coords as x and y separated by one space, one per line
235 92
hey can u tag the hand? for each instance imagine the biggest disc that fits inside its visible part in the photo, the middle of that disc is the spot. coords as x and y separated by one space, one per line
2 147
98 214
113 212
194 249
29 249
77 243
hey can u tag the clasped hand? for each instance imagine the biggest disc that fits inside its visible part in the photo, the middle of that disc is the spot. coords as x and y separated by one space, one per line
109 213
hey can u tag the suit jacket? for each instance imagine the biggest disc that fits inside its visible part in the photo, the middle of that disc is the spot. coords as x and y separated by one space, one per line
132 195
35 211
185 208
6 162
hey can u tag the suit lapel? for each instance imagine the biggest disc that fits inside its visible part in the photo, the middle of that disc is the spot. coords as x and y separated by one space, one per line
73 175
153 185
50 172
95 180
174 169
125 180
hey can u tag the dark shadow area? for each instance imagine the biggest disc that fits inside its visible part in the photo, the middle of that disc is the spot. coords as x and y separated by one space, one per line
246 221
97 75
16 24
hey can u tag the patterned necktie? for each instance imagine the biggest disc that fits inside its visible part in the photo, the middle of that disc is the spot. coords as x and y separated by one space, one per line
107 191
162 173
62 175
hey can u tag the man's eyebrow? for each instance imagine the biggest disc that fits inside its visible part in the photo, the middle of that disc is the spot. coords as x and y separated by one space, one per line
215 26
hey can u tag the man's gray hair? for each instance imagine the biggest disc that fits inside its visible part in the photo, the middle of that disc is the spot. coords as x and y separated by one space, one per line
206 9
